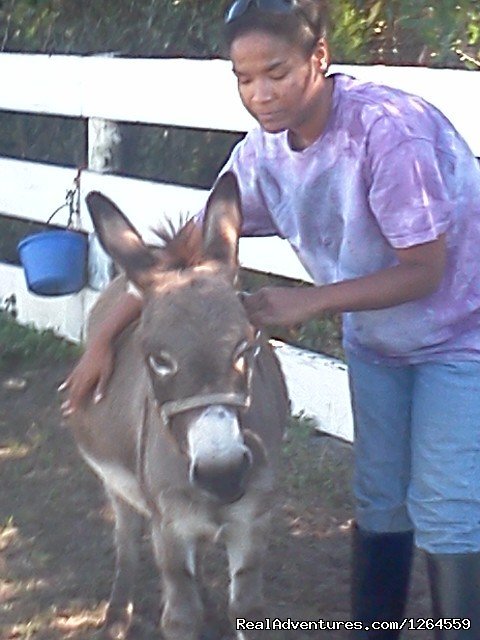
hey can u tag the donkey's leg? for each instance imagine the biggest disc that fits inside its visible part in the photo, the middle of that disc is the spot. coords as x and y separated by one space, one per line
246 540
128 529
182 614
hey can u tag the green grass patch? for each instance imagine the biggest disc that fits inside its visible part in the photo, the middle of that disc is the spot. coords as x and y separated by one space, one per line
20 344
315 465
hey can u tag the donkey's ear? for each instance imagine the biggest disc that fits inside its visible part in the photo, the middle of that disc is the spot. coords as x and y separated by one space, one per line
223 221
120 239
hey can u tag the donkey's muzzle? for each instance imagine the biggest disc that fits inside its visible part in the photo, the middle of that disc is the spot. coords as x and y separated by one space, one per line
219 457
225 483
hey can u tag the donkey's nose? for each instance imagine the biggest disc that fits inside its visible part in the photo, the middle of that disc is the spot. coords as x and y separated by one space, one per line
225 482
218 412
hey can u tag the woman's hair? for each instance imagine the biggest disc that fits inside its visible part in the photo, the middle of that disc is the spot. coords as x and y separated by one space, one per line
303 27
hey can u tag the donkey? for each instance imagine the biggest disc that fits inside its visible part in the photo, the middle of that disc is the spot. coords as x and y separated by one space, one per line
189 432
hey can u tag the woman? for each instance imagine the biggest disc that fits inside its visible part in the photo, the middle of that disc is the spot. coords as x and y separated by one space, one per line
380 198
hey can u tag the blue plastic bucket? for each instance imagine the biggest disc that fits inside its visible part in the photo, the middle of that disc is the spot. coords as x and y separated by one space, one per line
55 262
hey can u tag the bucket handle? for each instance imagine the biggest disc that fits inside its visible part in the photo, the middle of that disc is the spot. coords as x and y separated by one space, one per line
72 201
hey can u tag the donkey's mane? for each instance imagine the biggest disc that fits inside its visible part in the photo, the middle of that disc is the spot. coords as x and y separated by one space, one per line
182 247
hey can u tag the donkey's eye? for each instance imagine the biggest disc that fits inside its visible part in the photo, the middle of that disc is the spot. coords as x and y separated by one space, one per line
162 365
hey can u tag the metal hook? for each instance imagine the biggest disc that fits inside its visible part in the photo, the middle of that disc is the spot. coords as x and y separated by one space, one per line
72 201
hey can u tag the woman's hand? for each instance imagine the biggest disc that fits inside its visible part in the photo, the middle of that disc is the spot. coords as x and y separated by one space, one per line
90 376
282 306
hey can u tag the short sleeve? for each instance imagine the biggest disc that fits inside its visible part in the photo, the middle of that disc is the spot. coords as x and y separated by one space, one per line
243 162
408 193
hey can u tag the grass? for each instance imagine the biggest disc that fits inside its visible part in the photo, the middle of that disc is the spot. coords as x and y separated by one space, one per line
20 344
315 464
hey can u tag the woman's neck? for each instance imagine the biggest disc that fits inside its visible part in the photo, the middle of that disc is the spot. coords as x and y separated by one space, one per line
314 124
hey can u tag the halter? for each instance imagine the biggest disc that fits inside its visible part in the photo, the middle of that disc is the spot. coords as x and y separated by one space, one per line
172 408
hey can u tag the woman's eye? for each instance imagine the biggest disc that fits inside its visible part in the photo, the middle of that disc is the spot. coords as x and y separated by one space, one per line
162 365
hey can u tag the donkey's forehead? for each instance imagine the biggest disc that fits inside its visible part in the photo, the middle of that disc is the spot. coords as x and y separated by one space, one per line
178 280
194 296
206 277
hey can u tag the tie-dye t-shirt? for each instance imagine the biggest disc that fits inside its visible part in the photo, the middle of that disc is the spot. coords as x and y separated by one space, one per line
388 172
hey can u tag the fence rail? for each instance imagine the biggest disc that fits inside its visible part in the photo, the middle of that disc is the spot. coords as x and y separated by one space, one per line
195 93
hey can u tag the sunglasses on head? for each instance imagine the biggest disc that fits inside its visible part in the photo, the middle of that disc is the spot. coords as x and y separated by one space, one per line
239 7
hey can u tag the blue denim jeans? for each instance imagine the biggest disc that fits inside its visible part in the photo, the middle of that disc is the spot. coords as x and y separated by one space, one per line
417 451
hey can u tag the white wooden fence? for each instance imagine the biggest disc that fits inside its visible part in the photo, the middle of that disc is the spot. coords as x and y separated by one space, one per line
187 93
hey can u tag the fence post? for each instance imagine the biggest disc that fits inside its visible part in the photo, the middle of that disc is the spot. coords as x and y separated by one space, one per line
104 144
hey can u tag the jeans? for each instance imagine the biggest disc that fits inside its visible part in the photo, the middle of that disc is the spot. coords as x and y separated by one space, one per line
417 451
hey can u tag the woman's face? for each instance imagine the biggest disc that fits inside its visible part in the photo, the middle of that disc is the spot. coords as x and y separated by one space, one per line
282 87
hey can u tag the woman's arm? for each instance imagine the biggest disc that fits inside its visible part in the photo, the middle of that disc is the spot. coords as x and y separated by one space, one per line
417 275
93 371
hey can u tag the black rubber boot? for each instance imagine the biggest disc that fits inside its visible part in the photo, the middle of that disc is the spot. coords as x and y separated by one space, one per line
455 586
380 578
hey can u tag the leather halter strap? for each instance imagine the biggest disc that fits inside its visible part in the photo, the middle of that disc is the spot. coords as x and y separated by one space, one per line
174 407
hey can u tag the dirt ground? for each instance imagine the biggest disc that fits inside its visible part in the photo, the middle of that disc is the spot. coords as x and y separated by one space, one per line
56 553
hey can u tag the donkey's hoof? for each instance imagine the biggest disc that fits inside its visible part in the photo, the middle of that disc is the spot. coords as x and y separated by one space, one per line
210 633
142 629
216 626
116 631
117 623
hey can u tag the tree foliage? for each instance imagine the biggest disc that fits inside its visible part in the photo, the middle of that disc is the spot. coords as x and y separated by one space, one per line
441 33
445 33
127 27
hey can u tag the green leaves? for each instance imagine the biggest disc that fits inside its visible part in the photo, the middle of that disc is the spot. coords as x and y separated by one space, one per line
19 343
406 32
139 28
362 31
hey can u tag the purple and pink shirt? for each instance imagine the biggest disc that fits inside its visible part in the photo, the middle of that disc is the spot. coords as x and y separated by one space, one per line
388 172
